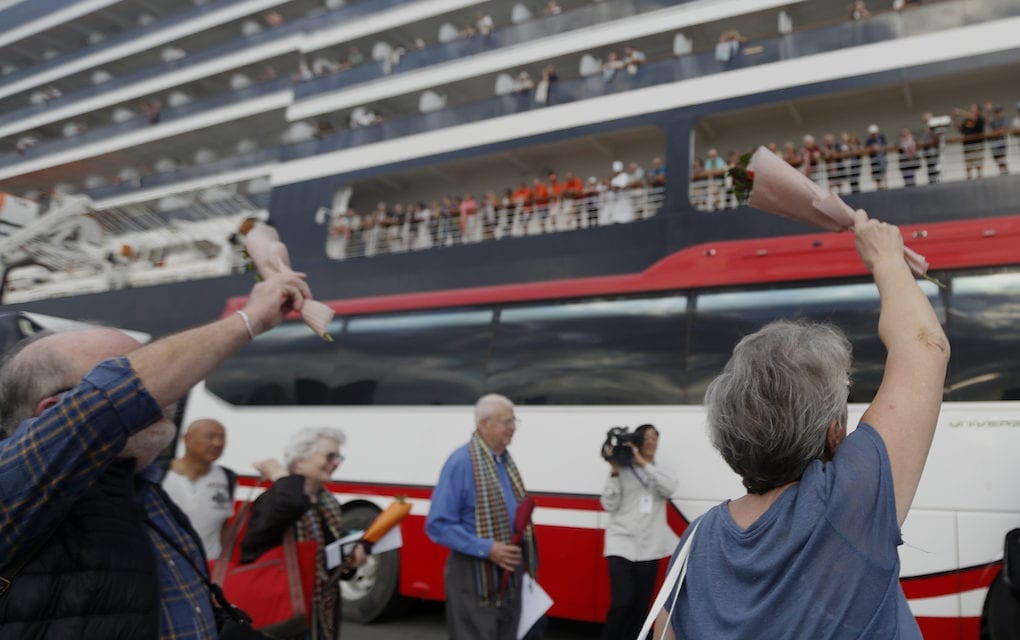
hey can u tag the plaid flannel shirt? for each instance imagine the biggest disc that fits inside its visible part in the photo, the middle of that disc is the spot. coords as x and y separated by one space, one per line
48 463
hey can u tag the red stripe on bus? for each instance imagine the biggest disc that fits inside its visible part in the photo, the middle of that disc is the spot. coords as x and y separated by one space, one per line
950 582
949 628
550 500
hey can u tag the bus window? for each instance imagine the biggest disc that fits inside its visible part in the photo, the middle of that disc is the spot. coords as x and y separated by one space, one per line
435 357
286 366
623 351
722 319
984 330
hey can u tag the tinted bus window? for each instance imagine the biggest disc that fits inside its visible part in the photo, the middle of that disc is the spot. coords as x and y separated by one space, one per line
722 319
419 358
288 365
984 331
625 351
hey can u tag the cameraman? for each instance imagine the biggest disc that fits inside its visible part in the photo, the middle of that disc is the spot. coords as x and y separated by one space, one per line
637 537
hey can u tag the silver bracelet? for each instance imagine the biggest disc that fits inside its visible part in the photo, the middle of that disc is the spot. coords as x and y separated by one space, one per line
247 323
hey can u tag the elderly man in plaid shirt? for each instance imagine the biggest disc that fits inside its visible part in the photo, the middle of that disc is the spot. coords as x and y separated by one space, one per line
90 545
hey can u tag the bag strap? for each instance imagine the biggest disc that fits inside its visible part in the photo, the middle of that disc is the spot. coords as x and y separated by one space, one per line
217 593
219 572
290 557
676 576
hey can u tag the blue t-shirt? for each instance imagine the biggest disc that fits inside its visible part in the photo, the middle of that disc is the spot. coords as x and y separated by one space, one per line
820 563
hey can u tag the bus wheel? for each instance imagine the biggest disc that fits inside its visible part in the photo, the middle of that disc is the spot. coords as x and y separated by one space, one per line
1001 618
373 592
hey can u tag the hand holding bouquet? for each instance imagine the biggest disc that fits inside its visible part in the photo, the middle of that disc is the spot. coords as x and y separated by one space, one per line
768 183
270 256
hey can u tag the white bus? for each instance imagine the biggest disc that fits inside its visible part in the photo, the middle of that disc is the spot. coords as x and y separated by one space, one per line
581 356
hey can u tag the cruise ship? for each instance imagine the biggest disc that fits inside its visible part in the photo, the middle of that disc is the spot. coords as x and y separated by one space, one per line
406 147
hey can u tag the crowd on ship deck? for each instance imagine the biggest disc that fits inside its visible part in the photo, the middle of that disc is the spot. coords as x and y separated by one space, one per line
326 63
842 162
540 206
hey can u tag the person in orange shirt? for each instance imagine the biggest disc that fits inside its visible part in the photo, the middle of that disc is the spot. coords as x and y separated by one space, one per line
540 196
573 192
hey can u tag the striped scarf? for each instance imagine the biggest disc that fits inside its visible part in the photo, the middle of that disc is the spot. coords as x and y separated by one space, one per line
491 518
309 527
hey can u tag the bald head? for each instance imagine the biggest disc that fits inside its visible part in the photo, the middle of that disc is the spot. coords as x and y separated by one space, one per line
204 441
80 350
39 369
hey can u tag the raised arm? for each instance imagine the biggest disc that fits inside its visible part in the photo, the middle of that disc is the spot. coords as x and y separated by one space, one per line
170 366
906 407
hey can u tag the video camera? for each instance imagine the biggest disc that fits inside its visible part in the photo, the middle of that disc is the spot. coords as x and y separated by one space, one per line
615 449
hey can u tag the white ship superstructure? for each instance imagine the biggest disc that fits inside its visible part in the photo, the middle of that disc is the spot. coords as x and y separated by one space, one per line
179 119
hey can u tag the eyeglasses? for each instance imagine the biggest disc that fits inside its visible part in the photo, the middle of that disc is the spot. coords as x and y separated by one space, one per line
511 420
333 457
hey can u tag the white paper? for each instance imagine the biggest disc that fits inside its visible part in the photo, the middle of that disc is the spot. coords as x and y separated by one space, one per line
534 603
334 550
392 540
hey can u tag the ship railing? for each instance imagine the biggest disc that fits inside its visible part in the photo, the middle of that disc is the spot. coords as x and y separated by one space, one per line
304 25
653 73
26 12
141 122
492 223
878 28
38 8
21 13
851 172
573 20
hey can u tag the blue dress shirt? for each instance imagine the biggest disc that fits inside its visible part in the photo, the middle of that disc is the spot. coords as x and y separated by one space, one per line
451 519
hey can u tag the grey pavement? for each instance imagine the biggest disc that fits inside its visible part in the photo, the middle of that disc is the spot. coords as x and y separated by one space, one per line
425 621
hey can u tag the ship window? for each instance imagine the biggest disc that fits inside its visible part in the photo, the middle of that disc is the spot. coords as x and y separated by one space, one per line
623 351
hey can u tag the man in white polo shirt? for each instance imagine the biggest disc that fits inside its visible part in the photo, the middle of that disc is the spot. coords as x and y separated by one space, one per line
204 491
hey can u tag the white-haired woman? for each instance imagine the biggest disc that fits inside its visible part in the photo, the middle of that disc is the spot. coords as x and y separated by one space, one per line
298 498
810 551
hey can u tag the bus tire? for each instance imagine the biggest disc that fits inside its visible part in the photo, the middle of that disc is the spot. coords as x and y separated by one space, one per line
374 591
1001 616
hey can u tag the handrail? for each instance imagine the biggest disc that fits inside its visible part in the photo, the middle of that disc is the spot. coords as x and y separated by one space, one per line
307 24
576 19
24 12
141 122
880 28
117 39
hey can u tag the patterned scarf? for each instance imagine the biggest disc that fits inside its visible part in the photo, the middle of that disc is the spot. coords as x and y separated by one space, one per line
309 527
491 518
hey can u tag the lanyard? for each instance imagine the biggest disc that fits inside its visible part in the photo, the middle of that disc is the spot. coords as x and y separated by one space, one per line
644 481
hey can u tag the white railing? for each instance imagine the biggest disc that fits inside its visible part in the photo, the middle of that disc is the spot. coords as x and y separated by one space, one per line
352 236
713 190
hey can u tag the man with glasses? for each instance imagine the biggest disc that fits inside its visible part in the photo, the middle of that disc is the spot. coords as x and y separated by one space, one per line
92 547
473 510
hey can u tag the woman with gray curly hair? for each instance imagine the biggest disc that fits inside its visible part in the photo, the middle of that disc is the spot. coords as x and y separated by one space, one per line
810 551
299 498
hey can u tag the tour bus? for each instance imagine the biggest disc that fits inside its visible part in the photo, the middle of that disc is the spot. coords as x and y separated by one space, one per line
579 357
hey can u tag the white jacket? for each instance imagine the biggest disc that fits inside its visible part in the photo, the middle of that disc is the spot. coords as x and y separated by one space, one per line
633 535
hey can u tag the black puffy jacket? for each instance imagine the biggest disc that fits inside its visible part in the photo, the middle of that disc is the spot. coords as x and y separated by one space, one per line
95 578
